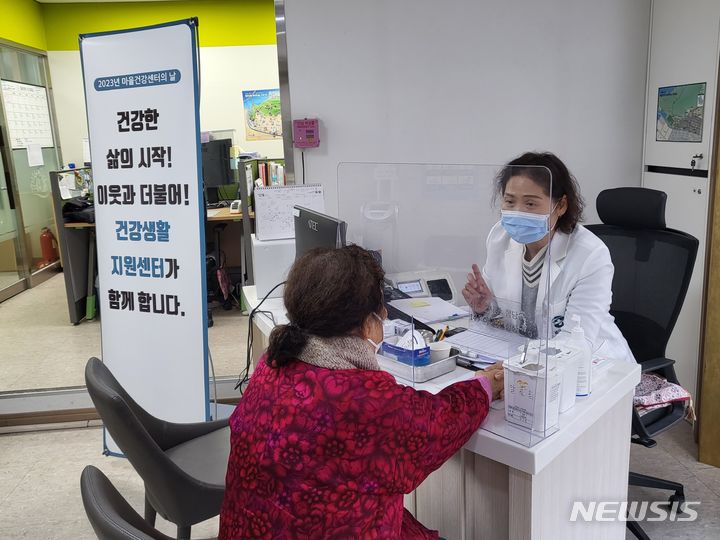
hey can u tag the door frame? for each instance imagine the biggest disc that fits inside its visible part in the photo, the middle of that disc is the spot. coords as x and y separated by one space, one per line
706 432
23 255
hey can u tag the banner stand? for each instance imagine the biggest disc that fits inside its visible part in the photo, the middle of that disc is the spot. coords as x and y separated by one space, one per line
142 97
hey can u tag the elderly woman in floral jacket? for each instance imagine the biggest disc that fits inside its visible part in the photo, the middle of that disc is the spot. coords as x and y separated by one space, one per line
324 443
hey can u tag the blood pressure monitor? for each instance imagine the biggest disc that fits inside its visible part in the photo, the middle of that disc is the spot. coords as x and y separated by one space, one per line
413 288
424 283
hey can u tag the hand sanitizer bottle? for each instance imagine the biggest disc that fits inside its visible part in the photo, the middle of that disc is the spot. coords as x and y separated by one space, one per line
584 379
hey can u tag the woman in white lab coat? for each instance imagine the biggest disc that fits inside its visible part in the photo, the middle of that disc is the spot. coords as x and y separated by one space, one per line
538 239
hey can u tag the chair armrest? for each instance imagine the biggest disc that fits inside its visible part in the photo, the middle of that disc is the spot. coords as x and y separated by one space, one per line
656 364
173 434
663 366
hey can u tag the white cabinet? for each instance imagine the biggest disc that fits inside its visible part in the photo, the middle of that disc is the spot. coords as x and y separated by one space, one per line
686 210
684 50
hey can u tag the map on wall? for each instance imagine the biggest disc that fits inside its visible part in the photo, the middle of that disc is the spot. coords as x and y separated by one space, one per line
680 113
262 114
28 114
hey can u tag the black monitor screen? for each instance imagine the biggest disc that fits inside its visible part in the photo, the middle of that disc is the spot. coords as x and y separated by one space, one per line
313 230
216 162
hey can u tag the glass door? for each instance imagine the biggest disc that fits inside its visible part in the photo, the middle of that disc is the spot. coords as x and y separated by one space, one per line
12 274
31 152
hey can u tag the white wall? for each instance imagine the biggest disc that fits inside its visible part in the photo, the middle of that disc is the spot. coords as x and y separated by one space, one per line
225 73
472 81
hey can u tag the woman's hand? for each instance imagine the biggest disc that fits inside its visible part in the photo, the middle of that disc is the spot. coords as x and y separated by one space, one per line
495 375
476 292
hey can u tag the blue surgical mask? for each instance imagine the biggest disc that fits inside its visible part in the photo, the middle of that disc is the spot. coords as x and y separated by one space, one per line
526 227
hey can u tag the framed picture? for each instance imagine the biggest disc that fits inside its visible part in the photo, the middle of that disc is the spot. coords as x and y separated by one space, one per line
680 113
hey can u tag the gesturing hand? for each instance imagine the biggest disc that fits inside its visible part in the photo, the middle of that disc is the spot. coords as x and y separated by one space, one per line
476 292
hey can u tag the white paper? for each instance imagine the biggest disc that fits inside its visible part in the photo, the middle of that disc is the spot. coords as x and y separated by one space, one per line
212 213
494 347
86 150
68 186
34 155
274 208
429 310
28 114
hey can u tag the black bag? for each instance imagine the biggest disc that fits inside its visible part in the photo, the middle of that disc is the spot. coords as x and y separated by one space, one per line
78 210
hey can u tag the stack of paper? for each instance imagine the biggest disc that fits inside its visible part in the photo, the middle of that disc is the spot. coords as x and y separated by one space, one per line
429 310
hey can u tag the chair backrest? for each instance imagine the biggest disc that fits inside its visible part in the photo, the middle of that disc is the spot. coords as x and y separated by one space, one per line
110 515
653 266
139 435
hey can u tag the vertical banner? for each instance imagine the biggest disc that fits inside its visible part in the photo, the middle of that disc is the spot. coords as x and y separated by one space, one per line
141 91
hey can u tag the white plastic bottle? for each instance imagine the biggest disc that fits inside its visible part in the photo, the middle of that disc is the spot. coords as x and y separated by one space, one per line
584 378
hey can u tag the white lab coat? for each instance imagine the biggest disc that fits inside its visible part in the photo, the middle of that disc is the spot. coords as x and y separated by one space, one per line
580 272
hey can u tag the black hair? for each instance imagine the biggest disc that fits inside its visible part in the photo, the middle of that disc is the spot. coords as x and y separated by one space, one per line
328 293
545 168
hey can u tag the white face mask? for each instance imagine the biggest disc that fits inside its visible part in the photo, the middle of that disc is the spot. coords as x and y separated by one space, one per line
376 346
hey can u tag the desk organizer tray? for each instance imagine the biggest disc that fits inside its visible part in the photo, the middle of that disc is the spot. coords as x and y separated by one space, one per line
418 374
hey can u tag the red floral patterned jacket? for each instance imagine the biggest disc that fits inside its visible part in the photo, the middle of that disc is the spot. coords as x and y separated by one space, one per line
328 454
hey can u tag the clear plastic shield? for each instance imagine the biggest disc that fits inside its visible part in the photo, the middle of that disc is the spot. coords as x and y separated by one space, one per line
467 254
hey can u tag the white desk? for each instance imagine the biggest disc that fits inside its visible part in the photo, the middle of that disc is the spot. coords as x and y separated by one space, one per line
495 488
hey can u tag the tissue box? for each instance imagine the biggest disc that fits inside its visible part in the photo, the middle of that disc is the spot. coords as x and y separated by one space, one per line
417 357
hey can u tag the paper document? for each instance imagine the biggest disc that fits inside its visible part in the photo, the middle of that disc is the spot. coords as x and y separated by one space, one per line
212 212
488 347
68 187
274 208
429 310
34 155
86 150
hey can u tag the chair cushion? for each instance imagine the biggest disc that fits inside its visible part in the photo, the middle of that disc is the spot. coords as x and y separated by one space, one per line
204 458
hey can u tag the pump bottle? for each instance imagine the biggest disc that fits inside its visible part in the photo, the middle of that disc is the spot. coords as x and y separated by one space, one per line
577 338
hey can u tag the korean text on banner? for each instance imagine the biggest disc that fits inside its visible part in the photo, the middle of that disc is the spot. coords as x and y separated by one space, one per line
141 92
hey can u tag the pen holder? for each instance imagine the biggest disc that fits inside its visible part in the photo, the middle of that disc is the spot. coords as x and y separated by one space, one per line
439 350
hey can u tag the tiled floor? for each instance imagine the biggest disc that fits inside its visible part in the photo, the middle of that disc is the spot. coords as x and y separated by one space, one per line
674 458
40 495
41 349
40 485
7 279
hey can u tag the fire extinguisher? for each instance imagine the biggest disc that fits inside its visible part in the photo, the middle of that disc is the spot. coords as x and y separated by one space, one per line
48 246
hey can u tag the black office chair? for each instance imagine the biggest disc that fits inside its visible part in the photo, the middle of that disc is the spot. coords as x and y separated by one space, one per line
653 267
182 465
110 515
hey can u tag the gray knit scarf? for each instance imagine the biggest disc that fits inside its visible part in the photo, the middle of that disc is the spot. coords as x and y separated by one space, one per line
344 352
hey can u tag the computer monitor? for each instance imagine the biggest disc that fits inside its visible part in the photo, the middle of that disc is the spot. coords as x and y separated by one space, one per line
313 230
216 163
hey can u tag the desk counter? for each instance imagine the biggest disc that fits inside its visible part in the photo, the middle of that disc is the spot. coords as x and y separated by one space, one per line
224 214
497 488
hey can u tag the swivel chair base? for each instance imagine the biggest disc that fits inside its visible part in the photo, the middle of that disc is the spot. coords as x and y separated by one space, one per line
676 500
